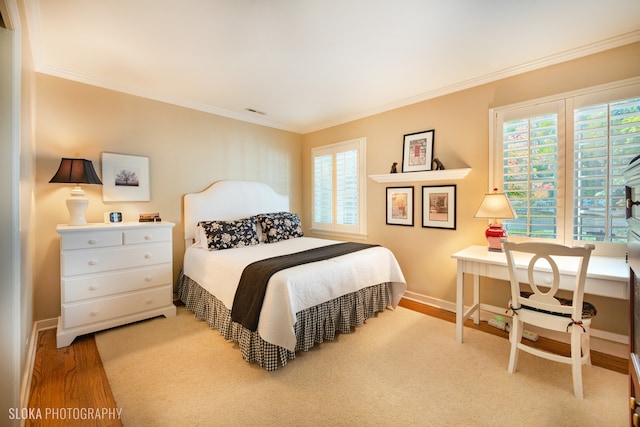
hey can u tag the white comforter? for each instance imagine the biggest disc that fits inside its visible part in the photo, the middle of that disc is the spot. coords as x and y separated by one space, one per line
295 288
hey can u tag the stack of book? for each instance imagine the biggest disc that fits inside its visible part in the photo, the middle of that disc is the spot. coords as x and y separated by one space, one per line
150 217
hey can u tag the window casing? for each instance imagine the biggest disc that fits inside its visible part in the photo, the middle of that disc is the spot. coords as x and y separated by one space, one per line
338 188
560 162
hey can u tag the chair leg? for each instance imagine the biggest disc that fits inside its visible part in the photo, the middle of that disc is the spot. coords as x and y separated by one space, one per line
515 337
586 347
576 365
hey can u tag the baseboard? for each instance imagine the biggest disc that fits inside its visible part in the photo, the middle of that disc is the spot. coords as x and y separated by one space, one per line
433 302
27 374
602 341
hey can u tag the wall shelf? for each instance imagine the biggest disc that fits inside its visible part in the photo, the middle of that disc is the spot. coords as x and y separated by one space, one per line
441 175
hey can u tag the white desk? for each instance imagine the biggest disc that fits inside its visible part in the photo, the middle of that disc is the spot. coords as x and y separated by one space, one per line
606 276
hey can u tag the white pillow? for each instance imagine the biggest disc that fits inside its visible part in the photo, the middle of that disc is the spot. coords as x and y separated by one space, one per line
200 238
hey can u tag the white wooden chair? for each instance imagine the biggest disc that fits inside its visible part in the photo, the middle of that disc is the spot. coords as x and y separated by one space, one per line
542 308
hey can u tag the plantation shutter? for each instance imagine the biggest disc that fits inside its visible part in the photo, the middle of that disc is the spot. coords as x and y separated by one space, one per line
338 187
560 160
531 170
347 187
323 189
606 138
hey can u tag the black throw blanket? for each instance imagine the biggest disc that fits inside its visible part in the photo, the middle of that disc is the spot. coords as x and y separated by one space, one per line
252 288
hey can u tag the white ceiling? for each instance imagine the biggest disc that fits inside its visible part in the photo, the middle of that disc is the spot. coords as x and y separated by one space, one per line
311 64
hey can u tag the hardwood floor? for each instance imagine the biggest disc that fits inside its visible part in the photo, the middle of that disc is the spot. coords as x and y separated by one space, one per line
73 377
69 385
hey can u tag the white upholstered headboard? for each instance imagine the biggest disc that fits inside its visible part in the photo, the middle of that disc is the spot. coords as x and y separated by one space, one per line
230 200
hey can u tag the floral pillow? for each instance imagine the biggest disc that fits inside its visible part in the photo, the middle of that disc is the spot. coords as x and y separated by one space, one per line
280 226
230 234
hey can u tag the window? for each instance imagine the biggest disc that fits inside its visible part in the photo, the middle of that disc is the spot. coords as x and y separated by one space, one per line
606 138
339 187
560 162
531 168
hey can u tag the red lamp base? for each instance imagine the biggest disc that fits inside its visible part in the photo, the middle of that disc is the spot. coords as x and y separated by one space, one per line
494 234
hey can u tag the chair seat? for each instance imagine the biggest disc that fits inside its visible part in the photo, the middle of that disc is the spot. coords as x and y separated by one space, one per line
588 309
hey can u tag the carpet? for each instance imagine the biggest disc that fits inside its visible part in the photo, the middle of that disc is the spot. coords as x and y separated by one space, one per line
400 368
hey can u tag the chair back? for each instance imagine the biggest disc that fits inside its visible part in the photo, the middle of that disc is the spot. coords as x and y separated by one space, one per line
548 258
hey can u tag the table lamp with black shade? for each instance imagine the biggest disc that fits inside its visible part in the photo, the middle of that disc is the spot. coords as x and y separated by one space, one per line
76 171
495 206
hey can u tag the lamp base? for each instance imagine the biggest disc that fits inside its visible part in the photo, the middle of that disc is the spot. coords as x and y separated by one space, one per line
77 207
494 235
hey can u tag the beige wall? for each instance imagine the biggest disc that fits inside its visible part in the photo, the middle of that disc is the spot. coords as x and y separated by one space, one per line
187 150
461 123
27 191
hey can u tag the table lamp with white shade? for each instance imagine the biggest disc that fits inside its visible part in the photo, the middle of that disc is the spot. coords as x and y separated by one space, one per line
495 206
76 171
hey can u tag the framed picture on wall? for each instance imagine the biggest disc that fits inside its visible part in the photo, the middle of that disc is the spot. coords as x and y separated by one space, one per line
439 206
125 178
400 206
417 152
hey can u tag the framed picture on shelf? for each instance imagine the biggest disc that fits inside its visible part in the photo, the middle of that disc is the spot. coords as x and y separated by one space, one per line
400 206
417 152
125 178
439 206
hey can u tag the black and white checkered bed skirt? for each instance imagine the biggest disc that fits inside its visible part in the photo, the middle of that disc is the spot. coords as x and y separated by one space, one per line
313 325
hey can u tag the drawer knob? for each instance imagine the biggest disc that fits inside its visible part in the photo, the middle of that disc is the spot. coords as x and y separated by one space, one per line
92 287
92 241
93 313
148 279
93 262
148 256
147 237
148 301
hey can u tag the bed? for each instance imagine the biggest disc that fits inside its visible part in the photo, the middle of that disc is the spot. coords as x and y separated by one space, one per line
233 225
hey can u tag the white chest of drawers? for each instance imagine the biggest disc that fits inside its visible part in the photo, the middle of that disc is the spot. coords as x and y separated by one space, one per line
112 274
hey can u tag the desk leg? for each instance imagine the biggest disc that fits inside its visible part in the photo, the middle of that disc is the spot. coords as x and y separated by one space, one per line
459 303
476 298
